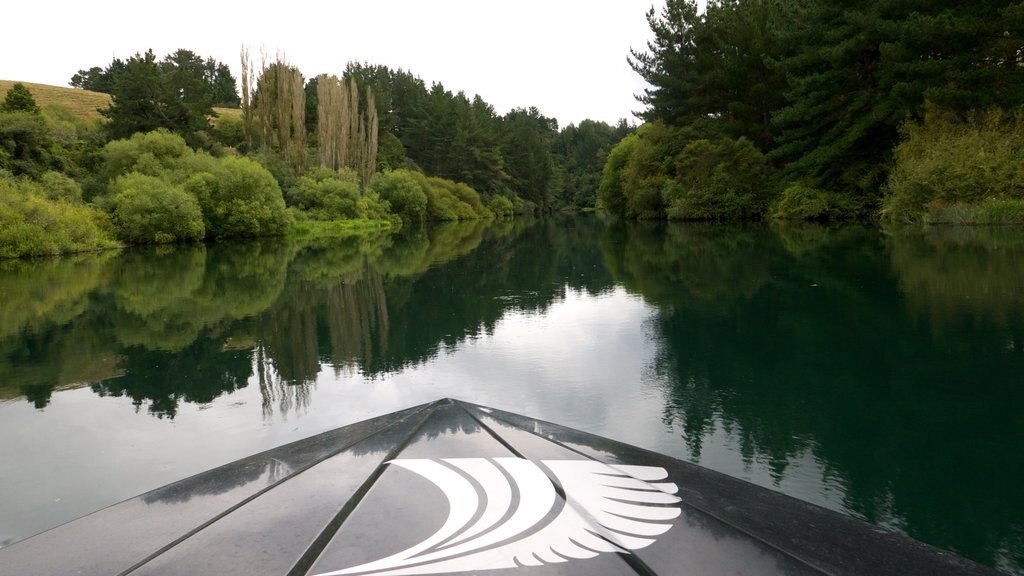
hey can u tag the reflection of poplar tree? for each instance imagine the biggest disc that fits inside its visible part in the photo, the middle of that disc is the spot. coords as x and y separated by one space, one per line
273 110
347 137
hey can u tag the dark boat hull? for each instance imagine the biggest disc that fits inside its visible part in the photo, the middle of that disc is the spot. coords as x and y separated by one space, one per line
456 488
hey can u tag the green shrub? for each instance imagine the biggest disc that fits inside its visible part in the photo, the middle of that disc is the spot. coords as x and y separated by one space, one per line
402 190
445 200
948 161
501 207
58 186
31 224
151 153
327 195
147 210
722 180
801 202
239 198
229 130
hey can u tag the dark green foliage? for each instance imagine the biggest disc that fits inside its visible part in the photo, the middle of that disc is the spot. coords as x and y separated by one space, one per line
148 210
611 194
801 202
582 151
528 138
283 172
715 66
177 93
449 135
822 87
219 83
25 143
723 180
19 99
239 198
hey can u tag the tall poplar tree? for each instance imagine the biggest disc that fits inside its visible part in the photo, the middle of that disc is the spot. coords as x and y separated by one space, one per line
274 109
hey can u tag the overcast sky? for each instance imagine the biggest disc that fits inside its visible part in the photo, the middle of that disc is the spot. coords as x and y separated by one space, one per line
566 57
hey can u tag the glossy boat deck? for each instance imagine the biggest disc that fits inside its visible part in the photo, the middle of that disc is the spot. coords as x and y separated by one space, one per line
455 488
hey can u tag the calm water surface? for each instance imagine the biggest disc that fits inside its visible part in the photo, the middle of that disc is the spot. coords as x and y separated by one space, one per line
881 375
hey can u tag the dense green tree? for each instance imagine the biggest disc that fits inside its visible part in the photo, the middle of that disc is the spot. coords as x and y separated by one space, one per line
26 144
581 152
98 79
526 149
723 180
216 77
19 99
170 94
822 87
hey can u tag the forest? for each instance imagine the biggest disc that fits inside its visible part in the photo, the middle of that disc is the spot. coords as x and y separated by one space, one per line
907 112
182 155
811 110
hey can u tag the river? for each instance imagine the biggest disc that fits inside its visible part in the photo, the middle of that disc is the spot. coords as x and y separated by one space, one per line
880 374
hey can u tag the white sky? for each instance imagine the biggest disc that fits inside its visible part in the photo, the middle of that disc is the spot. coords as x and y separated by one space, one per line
566 57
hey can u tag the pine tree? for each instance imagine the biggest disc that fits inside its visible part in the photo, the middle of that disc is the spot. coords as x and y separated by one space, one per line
19 99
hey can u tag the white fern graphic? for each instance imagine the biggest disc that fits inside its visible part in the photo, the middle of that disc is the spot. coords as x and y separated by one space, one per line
606 509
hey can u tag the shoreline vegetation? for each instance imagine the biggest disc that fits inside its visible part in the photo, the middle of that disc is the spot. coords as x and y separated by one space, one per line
803 110
177 155
900 114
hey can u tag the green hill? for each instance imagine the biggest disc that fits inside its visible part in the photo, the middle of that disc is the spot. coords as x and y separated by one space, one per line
82 103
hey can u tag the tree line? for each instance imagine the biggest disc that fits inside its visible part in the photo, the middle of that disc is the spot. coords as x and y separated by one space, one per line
372 143
795 109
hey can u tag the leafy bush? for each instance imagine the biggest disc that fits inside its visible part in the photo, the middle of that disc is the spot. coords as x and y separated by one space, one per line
229 130
33 225
57 186
327 195
239 198
801 202
723 180
402 190
147 210
948 161
151 153
449 201
501 206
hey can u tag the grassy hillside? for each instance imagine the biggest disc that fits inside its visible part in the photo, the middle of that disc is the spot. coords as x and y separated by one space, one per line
82 103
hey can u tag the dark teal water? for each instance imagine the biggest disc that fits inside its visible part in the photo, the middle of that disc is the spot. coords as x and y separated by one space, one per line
877 374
